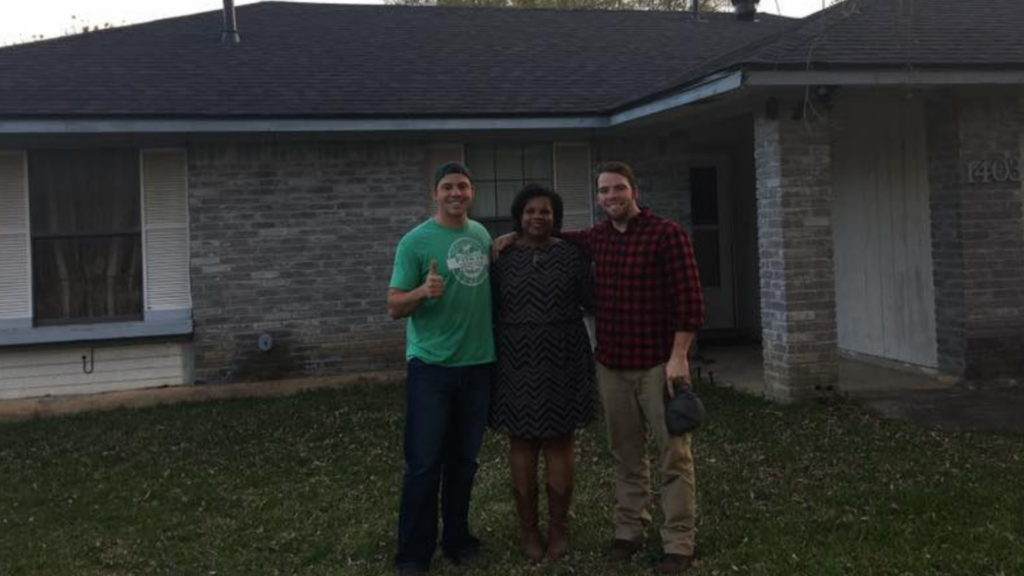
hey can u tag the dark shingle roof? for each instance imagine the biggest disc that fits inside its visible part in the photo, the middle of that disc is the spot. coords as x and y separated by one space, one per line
900 33
883 34
324 60
345 61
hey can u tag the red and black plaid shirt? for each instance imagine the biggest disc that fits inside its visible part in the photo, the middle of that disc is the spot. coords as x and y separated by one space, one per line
647 289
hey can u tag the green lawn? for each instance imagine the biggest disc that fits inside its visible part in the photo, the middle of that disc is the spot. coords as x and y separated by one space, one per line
309 484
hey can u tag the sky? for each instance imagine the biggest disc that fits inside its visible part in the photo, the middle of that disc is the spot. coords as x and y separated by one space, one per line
21 20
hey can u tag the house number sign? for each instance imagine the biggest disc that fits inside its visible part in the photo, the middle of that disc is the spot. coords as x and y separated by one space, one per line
998 170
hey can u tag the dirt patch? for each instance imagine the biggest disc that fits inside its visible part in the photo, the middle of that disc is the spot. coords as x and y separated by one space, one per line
25 408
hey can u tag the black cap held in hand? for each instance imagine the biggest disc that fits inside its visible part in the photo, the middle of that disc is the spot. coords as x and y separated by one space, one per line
684 412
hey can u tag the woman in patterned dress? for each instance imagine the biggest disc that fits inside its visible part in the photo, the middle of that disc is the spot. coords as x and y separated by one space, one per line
544 382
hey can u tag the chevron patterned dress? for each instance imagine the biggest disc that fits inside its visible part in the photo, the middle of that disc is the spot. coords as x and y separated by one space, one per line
544 381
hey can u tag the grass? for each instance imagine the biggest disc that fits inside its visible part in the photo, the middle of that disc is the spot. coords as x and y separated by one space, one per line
309 485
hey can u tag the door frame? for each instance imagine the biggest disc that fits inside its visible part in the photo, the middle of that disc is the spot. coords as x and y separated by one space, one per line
720 301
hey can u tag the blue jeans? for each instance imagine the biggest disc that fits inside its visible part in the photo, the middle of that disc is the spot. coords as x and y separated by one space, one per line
445 418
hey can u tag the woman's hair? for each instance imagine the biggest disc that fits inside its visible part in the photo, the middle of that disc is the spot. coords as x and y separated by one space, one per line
529 192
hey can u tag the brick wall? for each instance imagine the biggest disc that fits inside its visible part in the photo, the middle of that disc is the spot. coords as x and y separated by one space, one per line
663 176
978 233
296 240
794 195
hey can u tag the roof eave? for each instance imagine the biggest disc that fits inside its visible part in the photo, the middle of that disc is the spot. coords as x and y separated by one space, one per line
291 125
705 88
884 76
720 83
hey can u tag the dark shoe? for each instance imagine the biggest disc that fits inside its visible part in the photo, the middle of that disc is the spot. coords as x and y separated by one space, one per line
472 558
409 570
623 550
675 564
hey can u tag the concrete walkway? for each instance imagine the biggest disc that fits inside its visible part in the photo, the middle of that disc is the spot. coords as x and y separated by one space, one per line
902 394
985 408
741 367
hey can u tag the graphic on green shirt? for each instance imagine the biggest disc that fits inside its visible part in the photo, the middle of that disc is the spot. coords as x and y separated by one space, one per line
455 329
468 260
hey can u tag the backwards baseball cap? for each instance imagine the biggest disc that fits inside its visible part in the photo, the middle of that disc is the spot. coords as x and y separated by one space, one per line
451 168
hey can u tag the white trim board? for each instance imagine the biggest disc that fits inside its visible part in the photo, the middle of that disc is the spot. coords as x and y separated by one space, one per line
710 86
272 125
177 324
707 87
882 77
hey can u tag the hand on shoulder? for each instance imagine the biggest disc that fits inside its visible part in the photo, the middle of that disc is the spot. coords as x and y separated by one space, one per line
501 243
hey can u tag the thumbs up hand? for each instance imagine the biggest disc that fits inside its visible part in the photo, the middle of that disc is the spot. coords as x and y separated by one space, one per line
434 285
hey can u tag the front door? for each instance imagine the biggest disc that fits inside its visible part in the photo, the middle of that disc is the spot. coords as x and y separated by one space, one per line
710 216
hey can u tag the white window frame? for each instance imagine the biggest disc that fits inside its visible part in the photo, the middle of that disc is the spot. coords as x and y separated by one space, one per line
171 317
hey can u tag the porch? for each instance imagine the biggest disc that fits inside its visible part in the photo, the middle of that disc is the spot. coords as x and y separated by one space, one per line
740 366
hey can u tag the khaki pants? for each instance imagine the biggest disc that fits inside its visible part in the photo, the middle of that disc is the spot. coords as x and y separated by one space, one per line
634 407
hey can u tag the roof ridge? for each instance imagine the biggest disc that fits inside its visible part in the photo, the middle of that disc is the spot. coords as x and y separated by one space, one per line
652 12
733 58
818 24
828 18
73 37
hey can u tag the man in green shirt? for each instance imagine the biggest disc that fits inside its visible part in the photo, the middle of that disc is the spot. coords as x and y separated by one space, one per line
441 286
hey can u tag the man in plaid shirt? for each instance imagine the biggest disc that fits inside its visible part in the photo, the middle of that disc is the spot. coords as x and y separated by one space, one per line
649 305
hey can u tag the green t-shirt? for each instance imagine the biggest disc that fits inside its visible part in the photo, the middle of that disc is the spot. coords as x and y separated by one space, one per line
455 329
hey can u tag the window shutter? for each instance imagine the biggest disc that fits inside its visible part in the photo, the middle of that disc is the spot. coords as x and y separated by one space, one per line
573 183
15 241
438 154
165 230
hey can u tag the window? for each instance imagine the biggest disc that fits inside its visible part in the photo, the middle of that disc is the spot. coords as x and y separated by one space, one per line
86 234
704 214
499 172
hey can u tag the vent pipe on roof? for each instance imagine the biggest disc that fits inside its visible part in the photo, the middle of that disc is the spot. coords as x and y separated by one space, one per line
696 7
230 33
746 10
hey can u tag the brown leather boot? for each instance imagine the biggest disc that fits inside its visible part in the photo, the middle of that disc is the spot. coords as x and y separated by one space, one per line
675 564
558 523
558 454
523 461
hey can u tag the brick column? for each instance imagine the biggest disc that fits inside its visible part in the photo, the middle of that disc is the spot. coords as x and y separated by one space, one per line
946 205
978 231
794 205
